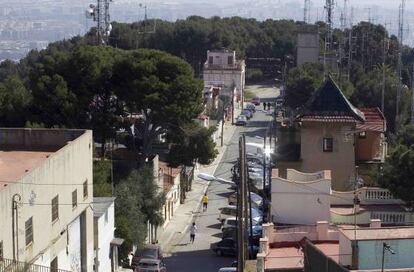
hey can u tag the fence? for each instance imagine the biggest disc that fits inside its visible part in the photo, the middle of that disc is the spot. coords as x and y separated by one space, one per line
7 265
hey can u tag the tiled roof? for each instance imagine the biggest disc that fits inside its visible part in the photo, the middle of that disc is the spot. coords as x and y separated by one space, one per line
330 102
374 120
328 119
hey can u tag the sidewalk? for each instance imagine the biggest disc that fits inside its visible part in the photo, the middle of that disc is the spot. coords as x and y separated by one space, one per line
185 213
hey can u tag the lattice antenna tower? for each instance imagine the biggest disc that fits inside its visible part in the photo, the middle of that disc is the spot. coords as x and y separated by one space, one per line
401 11
306 11
99 12
344 15
329 7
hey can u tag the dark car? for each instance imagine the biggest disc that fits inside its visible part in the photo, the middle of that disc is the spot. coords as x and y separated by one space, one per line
149 252
228 247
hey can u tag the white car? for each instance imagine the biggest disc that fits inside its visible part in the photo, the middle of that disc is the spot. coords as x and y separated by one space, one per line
227 212
230 222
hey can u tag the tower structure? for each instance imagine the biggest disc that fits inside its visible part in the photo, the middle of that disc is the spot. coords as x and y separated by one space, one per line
99 12
329 7
306 11
399 66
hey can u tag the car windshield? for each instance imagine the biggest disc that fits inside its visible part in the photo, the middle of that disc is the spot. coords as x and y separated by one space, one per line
148 253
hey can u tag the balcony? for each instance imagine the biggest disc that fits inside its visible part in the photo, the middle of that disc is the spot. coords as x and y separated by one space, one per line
8 265
367 196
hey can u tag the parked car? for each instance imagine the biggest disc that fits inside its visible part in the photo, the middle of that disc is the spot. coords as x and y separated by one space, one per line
257 200
228 247
149 252
250 107
247 113
255 101
228 269
150 265
231 232
241 120
227 212
230 222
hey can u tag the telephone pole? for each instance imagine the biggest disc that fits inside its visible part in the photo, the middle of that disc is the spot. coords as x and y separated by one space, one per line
99 12
412 98
241 201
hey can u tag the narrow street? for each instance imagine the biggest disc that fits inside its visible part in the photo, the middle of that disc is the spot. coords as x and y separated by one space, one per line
185 256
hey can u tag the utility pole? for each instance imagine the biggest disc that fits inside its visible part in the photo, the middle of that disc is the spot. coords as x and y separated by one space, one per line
384 52
241 256
99 12
412 98
15 226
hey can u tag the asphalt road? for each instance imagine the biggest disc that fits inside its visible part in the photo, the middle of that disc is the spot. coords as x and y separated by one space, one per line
198 257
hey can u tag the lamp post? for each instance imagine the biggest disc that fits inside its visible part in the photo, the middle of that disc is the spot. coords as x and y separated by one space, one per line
385 247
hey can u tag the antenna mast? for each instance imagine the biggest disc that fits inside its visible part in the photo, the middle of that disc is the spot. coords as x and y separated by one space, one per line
399 67
99 12
329 6
306 12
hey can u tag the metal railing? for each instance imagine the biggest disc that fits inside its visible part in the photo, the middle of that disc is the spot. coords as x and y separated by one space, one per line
8 265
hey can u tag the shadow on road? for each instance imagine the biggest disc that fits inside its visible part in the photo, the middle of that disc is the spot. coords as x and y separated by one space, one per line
215 226
200 261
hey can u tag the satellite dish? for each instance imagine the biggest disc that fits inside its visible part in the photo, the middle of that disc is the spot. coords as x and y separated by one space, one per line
109 28
89 13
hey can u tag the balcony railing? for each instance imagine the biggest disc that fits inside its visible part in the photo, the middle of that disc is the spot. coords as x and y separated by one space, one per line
8 265
367 196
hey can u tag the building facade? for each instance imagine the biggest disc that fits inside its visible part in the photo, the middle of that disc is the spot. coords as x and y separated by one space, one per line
45 197
307 50
334 135
222 69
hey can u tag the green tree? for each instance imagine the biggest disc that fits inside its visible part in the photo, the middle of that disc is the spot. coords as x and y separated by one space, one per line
302 83
191 144
102 178
397 173
14 101
137 201
159 87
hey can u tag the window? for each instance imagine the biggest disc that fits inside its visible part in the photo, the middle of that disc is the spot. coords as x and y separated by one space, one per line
362 135
230 60
327 144
28 225
85 189
210 60
54 265
106 216
74 199
55 208
1 250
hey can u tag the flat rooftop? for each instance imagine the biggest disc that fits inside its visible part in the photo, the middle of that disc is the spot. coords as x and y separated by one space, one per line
391 233
14 164
292 257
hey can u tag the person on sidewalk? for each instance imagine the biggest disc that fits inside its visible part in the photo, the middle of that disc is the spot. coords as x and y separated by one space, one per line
193 230
264 105
205 202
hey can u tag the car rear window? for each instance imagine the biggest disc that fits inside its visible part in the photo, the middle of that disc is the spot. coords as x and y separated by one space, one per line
145 264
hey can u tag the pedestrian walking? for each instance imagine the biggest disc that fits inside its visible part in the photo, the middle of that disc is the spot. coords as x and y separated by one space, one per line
205 202
193 230
264 105
268 105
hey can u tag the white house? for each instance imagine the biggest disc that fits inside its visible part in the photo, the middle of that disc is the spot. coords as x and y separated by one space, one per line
222 69
105 243
302 198
45 199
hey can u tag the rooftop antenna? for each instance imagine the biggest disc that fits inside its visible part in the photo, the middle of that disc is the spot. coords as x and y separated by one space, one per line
99 12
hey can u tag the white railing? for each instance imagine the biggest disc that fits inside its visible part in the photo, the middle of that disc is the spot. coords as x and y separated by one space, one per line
389 218
366 195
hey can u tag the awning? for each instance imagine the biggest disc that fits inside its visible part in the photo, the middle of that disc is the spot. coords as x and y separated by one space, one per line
117 241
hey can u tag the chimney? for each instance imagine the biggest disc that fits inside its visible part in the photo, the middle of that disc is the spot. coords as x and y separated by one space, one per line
375 223
322 228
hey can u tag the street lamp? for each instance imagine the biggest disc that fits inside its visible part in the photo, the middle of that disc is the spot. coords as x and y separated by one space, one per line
386 247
